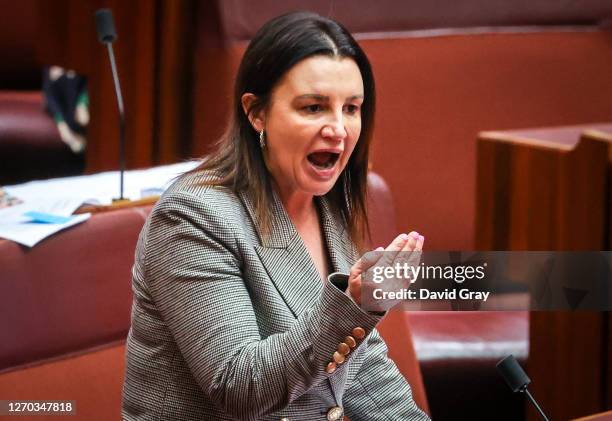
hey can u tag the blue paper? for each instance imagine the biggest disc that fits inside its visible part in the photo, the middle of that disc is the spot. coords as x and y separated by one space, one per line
47 218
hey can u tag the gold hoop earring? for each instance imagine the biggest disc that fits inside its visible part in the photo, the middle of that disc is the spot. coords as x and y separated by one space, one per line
262 139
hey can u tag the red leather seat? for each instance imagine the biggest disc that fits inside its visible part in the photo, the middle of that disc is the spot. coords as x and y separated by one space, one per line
458 351
30 144
65 313
70 292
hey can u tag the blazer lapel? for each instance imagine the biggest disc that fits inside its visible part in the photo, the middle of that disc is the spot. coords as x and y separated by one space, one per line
290 266
286 258
341 250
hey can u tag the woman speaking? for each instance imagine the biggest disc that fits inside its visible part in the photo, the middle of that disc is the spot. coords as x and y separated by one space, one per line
247 280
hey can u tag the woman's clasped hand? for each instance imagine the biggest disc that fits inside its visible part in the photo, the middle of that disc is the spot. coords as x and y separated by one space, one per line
404 250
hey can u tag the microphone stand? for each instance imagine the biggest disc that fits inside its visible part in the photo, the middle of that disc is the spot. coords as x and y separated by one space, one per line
111 55
533 401
105 27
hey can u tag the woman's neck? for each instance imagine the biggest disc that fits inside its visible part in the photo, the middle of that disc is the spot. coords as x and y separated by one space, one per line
299 206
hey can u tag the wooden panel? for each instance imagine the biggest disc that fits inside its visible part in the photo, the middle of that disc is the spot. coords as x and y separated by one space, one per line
607 416
538 196
565 363
607 352
549 193
177 24
604 134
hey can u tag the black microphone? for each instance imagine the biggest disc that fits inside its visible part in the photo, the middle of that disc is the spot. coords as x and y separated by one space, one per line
105 27
517 379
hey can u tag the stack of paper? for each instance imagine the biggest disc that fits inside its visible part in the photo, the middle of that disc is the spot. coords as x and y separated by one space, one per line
48 205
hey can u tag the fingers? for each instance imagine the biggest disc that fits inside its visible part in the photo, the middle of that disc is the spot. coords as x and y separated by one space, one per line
354 289
399 243
377 257
366 261
419 243
371 257
412 242
403 242
381 257
411 252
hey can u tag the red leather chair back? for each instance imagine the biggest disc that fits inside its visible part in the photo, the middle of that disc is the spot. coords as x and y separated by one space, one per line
395 327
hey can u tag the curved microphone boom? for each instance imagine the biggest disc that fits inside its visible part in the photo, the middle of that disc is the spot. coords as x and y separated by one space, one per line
105 27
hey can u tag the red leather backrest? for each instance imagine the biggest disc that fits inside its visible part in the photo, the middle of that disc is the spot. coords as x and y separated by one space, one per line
240 19
394 328
70 292
381 211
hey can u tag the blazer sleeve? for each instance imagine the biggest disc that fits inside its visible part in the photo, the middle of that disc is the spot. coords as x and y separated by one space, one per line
192 268
379 391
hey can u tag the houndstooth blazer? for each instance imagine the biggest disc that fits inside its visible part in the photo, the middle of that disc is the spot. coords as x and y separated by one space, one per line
230 325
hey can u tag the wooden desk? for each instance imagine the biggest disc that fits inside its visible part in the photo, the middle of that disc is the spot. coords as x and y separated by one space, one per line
604 134
548 189
116 206
604 416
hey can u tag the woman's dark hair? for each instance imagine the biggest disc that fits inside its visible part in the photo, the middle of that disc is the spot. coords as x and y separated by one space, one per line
277 47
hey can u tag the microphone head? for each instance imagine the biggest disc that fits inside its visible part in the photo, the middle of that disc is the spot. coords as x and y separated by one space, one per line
513 374
105 26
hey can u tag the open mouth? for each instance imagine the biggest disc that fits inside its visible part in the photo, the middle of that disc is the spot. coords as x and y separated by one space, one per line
323 160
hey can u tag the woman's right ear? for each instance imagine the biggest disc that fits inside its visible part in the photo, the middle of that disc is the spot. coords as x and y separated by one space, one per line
257 121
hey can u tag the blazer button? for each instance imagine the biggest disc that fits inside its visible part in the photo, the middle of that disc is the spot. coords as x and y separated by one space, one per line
359 333
343 348
285 419
331 367
350 341
338 357
334 414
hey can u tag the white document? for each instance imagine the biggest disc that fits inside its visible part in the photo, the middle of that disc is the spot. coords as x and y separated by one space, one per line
102 188
62 196
15 226
29 233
